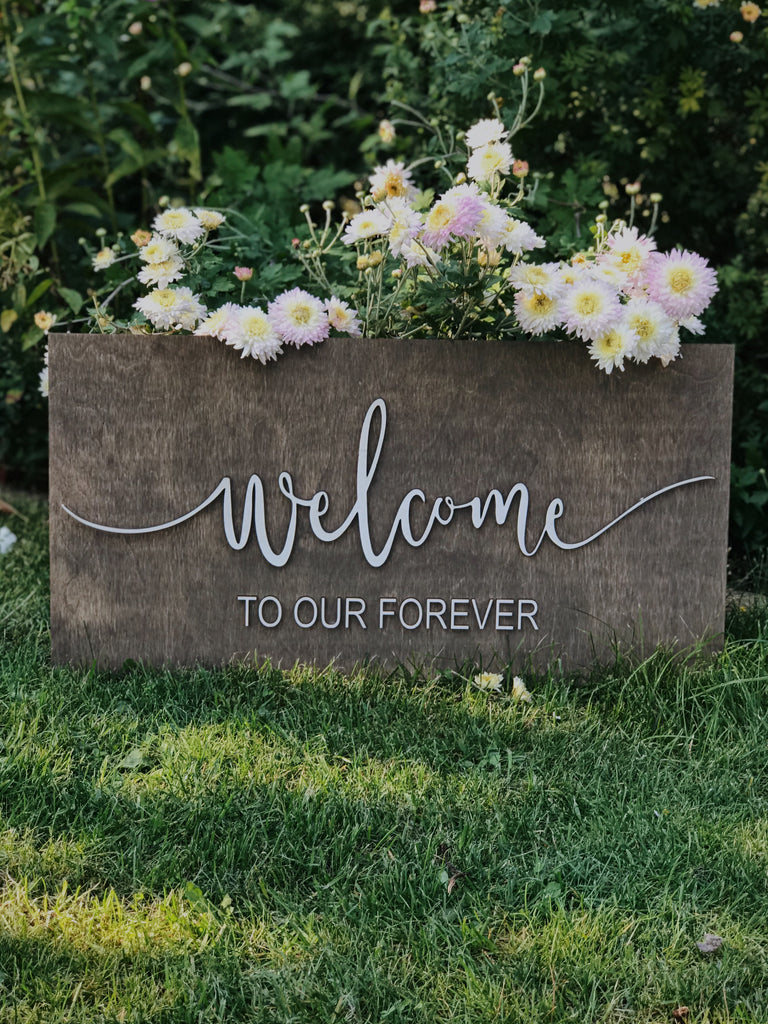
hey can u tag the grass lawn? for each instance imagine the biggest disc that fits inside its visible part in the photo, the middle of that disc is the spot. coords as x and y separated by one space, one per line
256 845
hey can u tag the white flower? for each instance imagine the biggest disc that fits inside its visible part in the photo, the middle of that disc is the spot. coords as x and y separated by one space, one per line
7 540
417 254
492 227
520 691
161 274
299 318
611 349
537 312
405 224
520 237
368 224
251 331
158 250
219 322
651 325
495 158
43 386
484 132
490 682
342 318
590 308
103 259
171 307
180 223
693 324
394 180
537 277
210 219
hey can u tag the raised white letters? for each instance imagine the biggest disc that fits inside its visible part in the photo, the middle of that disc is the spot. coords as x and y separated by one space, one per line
442 513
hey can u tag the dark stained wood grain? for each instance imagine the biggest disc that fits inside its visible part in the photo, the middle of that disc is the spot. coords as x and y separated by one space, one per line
144 428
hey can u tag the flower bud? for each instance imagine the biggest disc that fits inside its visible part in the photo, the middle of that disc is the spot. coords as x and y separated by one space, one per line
539 75
304 208
632 188
601 218
135 28
375 259
362 263
295 243
243 273
145 83
518 69
520 168
141 238
461 178
386 131
328 204
184 69
655 197
736 37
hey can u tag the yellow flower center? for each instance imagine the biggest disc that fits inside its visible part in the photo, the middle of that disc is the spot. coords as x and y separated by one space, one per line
301 313
642 326
165 297
439 217
609 344
540 303
681 280
587 304
394 185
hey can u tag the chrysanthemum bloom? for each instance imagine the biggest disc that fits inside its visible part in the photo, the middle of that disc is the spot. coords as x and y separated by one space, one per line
243 273
484 132
342 317
520 691
210 219
299 318
491 229
520 168
589 308
455 215
628 250
485 162
386 131
611 349
692 324
141 238
669 348
537 277
181 224
405 223
44 320
252 332
682 282
490 682
416 254
520 237
393 180
104 258
427 6
43 385
219 323
650 325
161 274
368 224
171 307
750 12
537 312
158 250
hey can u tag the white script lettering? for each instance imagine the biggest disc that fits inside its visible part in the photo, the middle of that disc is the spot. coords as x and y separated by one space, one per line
441 514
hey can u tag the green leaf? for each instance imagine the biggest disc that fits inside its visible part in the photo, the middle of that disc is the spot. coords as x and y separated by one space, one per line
44 222
255 100
542 23
72 298
39 290
31 337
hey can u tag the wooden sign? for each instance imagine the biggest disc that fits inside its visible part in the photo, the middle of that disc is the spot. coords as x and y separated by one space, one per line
413 501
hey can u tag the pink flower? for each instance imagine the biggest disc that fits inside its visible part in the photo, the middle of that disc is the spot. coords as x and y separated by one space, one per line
456 214
682 283
243 273
299 318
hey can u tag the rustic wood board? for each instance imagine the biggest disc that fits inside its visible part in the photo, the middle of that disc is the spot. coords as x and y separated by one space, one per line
143 429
